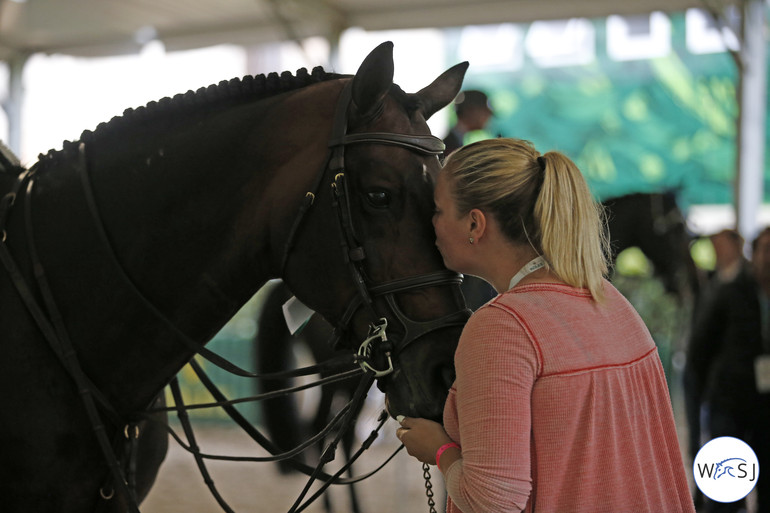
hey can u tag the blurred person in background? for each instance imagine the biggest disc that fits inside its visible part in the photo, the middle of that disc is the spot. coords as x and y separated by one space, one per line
728 250
728 263
473 113
730 341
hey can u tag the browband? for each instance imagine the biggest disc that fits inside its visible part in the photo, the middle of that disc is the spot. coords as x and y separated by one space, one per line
427 144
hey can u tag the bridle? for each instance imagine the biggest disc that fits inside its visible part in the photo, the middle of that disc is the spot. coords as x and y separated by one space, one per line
376 347
96 405
353 250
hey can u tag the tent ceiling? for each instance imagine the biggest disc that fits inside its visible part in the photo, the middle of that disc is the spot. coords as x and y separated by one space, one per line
107 27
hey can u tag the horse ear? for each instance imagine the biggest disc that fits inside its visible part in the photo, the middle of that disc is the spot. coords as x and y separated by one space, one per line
373 79
443 90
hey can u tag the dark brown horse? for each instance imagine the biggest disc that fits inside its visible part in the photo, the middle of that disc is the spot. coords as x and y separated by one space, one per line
126 251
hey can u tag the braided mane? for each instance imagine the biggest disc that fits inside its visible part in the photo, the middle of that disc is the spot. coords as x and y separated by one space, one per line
227 92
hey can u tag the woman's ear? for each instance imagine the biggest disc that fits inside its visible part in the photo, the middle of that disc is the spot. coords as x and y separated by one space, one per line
477 223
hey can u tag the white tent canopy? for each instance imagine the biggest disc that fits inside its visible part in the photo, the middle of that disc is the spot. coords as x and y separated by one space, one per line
110 27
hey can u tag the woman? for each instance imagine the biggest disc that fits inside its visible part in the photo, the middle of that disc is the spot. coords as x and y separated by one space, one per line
560 402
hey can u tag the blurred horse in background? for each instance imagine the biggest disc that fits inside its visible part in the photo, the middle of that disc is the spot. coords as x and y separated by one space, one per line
654 223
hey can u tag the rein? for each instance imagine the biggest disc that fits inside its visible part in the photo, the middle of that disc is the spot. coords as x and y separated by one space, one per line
343 418
53 329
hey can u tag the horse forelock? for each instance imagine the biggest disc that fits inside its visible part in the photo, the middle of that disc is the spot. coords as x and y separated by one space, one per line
227 92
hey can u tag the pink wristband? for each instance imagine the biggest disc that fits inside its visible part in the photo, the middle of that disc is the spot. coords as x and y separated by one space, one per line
441 450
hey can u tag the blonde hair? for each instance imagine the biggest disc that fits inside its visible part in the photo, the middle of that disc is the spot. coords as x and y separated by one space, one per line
539 200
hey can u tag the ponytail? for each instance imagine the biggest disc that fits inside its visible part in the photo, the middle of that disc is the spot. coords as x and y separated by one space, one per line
573 235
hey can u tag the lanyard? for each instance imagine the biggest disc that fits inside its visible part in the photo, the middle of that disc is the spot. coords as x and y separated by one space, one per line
530 267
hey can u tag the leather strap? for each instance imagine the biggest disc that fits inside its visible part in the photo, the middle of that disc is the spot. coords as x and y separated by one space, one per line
53 329
9 199
427 144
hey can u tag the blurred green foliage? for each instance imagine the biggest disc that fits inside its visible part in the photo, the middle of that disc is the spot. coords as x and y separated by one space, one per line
667 123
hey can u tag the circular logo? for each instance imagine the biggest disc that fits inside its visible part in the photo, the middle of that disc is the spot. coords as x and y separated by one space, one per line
726 469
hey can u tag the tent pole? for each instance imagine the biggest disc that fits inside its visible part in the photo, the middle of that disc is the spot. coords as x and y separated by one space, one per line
15 100
750 136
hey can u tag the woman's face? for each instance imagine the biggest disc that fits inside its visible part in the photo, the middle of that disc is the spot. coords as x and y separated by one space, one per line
452 231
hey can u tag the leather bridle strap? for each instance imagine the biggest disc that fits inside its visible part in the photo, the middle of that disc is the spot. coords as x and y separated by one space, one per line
426 144
54 331
335 158
413 329
353 251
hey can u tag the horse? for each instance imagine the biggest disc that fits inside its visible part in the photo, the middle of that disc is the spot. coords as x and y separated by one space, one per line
654 223
127 250
274 349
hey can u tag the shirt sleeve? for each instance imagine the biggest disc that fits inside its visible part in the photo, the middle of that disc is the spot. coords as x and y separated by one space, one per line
496 364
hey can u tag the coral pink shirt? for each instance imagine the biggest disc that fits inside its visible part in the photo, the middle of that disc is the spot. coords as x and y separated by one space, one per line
561 405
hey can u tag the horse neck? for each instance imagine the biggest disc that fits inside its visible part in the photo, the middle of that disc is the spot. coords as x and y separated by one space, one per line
187 217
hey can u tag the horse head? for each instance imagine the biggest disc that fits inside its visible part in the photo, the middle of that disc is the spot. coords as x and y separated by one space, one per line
376 274
668 247
654 223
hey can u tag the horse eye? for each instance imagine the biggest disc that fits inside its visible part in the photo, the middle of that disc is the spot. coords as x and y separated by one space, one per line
378 199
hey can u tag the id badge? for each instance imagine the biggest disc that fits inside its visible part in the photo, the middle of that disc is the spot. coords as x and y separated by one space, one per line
762 373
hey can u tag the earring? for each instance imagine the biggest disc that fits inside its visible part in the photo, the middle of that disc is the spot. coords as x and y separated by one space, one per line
470 239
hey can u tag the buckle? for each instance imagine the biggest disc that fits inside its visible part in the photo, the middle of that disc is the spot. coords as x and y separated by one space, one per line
376 332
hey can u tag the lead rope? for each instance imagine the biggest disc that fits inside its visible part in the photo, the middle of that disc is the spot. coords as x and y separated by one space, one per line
428 488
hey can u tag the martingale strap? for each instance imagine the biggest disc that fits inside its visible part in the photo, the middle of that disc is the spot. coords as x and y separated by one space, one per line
54 331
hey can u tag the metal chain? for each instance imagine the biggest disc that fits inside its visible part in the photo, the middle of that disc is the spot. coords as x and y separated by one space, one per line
428 488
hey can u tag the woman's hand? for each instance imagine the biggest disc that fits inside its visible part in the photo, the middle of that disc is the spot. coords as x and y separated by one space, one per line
422 438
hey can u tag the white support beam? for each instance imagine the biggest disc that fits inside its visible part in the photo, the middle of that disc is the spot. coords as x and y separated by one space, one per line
15 101
751 134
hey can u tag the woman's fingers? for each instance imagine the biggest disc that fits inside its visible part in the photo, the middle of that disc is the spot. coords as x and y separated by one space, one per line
404 421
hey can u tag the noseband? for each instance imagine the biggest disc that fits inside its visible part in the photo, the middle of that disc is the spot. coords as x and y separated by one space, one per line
353 251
